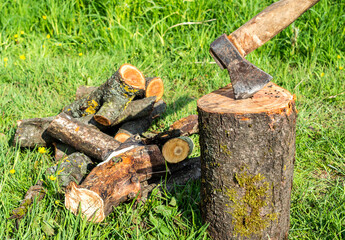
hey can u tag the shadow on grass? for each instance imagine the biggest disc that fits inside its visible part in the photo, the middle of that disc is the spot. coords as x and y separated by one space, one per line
177 105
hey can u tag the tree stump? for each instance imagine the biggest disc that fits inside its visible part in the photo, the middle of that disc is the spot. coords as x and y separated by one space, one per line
247 161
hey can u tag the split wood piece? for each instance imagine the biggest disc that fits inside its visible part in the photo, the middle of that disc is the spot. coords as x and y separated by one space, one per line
183 127
34 192
112 182
62 150
247 162
83 91
122 86
74 168
82 137
177 149
32 132
131 128
135 109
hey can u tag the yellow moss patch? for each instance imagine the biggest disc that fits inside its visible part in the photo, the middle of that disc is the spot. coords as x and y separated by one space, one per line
92 105
248 202
225 150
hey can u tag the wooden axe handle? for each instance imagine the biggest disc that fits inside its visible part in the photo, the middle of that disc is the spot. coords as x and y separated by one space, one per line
268 23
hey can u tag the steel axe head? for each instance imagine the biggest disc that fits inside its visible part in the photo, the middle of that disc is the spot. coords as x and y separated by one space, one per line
246 79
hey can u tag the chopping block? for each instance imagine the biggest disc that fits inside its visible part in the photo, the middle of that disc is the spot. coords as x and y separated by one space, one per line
247 161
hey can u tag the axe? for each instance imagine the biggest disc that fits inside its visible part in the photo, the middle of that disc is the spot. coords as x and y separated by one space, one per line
229 51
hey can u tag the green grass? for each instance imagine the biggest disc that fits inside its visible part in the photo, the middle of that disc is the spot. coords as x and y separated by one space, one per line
306 59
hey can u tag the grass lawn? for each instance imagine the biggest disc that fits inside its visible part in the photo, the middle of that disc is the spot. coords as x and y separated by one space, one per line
49 48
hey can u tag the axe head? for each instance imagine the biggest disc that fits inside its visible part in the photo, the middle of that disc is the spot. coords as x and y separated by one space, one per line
246 79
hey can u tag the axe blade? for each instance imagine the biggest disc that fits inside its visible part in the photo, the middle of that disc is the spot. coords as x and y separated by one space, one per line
246 78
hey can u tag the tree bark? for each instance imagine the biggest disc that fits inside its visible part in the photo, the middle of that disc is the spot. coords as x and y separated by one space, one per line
120 87
183 127
34 192
135 109
112 182
247 161
83 91
131 128
62 150
73 167
32 132
82 137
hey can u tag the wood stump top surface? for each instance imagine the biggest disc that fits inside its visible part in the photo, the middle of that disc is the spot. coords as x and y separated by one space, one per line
271 98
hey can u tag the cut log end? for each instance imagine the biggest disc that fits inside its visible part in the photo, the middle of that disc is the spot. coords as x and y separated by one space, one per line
122 137
102 120
271 97
155 87
177 149
132 76
89 203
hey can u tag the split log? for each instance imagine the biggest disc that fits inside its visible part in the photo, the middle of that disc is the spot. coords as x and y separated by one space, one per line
32 132
74 168
34 192
82 137
135 109
112 182
183 127
122 86
247 161
62 150
131 128
177 149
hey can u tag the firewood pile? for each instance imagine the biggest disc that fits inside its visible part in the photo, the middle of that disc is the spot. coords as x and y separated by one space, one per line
103 151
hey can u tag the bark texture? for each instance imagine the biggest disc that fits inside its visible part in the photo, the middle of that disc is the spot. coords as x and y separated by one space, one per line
32 132
138 126
120 87
62 150
135 109
247 162
34 192
183 127
83 91
112 182
82 137
74 167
